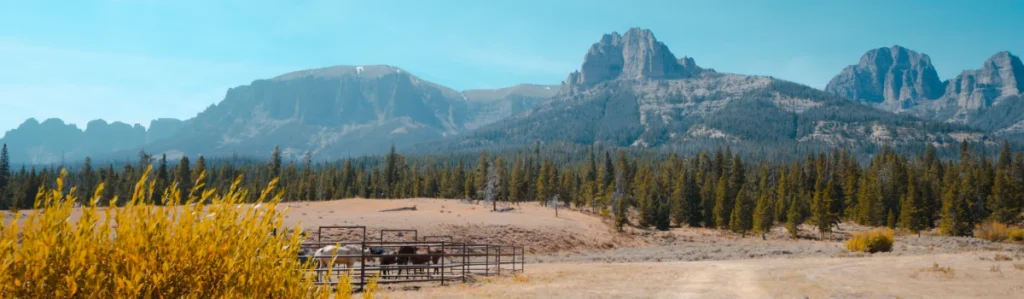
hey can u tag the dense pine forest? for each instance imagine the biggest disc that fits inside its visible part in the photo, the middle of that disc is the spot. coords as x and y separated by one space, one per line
645 189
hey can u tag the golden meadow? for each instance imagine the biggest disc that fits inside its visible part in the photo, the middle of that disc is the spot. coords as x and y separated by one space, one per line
214 246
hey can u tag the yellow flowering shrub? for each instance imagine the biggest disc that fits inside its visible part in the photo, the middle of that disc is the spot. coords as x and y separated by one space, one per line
223 249
875 240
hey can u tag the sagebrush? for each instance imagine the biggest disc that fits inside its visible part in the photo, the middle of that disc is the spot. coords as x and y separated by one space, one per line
871 241
221 249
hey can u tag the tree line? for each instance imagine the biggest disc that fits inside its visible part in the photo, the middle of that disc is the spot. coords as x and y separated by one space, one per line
715 189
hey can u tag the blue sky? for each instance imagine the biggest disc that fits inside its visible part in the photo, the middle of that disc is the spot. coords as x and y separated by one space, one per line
137 60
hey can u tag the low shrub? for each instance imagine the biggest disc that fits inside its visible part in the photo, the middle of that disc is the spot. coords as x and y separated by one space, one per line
947 271
1017 235
998 232
221 249
872 241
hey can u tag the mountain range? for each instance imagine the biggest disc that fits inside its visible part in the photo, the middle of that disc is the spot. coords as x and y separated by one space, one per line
630 91
901 80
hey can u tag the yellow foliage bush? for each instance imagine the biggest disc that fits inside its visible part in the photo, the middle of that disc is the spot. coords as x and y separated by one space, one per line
223 249
1017 235
875 240
998 232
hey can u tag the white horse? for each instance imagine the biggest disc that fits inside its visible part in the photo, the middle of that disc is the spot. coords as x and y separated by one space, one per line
332 255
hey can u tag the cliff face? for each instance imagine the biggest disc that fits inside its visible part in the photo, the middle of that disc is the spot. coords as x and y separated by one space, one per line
635 55
894 79
1000 76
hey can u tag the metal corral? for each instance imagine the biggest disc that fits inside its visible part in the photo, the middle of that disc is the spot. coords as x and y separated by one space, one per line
454 261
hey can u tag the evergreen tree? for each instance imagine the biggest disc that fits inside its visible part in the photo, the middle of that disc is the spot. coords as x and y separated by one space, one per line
458 181
29 189
663 215
783 192
644 195
162 181
823 215
737 176
912 208
764 210
87 181
517 186
1004 162
567 186
481 174
1018 168
608 171
183 177
275 163
692 198
621 200
391 172
709 184
5 179
1005 199
110 186
197 172
348 180
544 190
795 216
590 169
955 209
680 206
740 221
723 206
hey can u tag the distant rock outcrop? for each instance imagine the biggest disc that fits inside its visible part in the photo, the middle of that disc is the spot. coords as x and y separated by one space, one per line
635 55
53 140
1000 76
900 80
893 78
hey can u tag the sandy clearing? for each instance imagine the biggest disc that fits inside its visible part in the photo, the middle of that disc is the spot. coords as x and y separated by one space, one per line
867 277
529 224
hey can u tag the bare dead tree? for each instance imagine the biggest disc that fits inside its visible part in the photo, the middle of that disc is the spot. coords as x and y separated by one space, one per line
554 203
491 191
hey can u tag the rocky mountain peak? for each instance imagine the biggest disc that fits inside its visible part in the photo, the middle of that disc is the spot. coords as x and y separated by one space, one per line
1002 75
635 55
894 78
1008 69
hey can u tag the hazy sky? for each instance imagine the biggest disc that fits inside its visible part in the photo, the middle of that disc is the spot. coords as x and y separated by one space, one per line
137 60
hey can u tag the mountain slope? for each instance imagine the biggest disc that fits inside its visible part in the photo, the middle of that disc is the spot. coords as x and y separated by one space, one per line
489 105
339 111
670 103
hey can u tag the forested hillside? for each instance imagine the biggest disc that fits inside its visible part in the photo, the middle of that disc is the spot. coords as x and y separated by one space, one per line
647 189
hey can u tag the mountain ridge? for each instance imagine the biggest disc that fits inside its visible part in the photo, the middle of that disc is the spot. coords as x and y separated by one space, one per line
967 98
629 91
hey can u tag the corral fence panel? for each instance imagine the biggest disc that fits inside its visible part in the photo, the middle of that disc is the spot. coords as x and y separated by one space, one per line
433 261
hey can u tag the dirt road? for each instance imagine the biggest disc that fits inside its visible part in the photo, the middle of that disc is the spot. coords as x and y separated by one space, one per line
962 275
